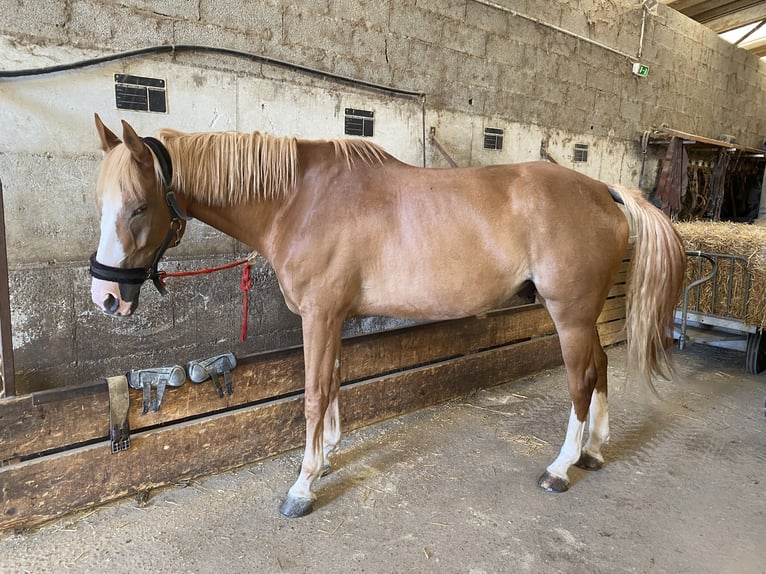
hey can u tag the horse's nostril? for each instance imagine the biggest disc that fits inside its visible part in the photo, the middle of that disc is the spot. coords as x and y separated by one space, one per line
111 304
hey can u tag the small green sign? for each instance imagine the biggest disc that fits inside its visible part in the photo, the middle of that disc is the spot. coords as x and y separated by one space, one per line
640 70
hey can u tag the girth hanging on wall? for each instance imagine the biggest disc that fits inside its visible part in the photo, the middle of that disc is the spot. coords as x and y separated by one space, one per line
717 183
674 179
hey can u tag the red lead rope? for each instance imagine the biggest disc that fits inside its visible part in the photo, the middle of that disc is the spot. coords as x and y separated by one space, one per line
244 285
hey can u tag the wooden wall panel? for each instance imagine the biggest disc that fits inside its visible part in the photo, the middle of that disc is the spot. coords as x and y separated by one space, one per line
43 488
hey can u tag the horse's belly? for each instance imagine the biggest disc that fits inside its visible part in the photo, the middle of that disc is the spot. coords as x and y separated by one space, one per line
437 295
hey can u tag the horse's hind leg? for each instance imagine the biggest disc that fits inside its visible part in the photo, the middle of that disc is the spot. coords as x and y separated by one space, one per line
598 415
578 349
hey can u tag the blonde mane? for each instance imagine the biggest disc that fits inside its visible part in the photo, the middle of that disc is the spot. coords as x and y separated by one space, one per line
224 168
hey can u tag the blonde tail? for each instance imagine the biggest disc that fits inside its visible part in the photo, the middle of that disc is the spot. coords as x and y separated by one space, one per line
657 273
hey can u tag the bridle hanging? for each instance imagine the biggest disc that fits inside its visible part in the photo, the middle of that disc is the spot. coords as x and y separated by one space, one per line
137 275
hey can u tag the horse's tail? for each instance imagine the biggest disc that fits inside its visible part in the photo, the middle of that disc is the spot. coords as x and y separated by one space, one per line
657 274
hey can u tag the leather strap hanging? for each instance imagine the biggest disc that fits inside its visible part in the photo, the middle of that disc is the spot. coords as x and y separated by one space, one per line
674 178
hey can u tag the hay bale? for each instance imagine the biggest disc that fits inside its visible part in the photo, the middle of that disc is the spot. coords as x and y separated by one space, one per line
747 300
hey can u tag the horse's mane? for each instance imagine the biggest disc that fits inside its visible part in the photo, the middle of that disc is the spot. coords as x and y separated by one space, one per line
232 167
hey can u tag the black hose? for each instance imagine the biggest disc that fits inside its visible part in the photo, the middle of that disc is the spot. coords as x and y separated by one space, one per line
171 48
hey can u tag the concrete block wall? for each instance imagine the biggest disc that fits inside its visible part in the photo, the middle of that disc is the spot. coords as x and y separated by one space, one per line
549 73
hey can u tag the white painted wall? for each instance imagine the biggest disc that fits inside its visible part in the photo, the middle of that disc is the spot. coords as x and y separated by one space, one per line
49 150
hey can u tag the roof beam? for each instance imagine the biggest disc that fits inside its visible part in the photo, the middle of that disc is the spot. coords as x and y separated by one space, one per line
742 18
683 5
722 17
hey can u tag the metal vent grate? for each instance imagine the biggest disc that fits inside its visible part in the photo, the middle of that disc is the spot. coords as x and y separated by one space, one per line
580 153
359 123
140 94
493 138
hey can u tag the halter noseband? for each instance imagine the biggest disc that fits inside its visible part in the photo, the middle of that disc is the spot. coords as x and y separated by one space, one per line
137 275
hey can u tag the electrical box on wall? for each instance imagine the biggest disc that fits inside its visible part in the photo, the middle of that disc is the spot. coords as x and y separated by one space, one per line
640 70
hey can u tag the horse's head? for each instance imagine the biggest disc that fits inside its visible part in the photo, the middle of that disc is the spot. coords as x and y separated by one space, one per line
139 218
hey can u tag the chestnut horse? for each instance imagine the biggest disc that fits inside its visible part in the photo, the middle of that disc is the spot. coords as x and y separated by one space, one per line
350 230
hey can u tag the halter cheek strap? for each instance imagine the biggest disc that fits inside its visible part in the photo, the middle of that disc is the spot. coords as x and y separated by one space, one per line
137 275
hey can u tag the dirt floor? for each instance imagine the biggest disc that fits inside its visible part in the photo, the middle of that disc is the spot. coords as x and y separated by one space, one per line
452 489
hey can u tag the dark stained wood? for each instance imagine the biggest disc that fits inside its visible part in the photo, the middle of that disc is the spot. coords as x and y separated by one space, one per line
8 384
44 488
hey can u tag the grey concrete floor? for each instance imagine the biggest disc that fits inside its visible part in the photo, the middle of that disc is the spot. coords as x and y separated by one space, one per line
453 489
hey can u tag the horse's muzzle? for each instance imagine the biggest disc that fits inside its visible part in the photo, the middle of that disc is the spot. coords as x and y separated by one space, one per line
112 304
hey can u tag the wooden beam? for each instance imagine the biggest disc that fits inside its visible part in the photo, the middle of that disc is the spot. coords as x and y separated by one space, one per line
735 15
7 369
710 141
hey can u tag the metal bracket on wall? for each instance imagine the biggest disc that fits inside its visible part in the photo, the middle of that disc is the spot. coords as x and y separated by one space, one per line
544 153
440 147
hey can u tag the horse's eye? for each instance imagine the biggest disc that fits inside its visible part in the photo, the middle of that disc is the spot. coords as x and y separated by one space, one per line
139 211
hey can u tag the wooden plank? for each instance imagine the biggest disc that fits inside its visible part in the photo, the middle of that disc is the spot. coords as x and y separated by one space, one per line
613 309
618 289
43 488
406 347
42 422
614 303
612 332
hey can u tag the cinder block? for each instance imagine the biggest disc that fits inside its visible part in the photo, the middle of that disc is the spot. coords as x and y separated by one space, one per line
42 20
454 9
181 9
252 18
116 26
463 38
418 24
42 316
367 13
487 18
50 210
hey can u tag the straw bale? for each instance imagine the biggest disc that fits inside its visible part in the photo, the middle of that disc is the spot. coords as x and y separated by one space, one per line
736 295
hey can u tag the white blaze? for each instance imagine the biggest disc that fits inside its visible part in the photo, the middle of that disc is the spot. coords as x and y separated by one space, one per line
110 252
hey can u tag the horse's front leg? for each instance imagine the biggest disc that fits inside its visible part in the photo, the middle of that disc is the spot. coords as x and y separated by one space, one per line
321 345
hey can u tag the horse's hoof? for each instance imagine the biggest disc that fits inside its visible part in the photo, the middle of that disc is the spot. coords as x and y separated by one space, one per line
589 462
552 483
326 469
296 507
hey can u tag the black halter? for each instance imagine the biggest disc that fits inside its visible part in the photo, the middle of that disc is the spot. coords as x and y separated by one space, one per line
137 275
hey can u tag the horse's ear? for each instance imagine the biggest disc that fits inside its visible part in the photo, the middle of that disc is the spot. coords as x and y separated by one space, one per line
136 145
108 139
